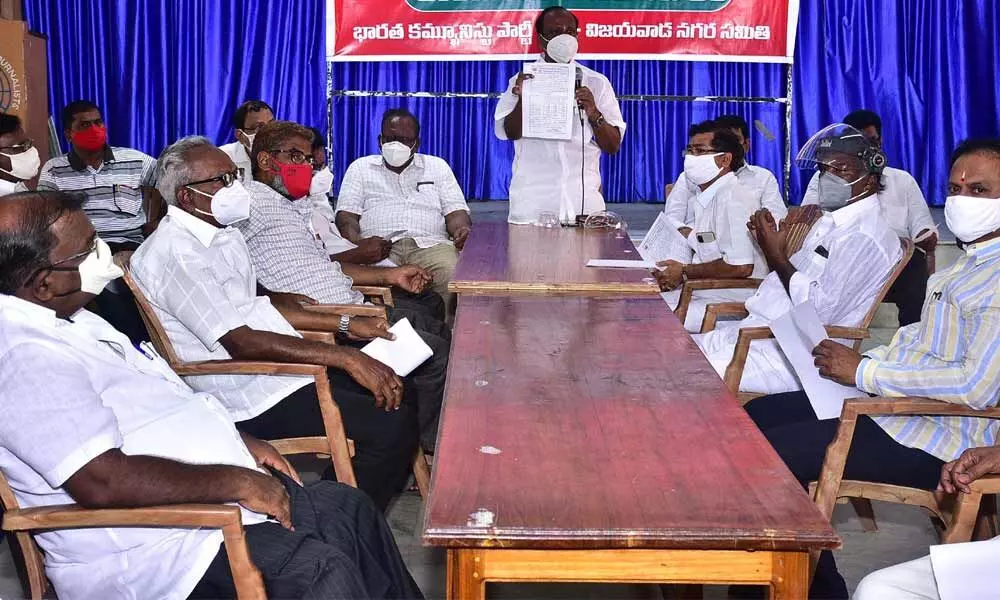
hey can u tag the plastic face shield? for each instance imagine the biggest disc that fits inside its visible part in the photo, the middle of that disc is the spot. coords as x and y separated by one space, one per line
836 148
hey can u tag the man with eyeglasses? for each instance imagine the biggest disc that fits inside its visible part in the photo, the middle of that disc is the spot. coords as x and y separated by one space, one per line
547 173
247 119
120 198
197 272
416 196
903 206
718 244
18 156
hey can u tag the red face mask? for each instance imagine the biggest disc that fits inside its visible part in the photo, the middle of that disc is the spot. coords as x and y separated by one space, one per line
297 178
90 139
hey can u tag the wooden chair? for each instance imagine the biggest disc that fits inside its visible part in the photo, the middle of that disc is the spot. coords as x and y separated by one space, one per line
797 233
734 372
957 516
381 296
23 522
335 444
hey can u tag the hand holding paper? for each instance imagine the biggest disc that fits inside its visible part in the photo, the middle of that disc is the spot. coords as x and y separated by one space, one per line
404 354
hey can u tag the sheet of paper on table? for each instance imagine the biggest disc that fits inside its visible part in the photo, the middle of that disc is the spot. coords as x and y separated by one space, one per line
798 332
404 354
610 263
664 242
966 570
548 101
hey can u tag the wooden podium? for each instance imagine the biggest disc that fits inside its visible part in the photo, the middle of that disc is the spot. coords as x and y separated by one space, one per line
24 88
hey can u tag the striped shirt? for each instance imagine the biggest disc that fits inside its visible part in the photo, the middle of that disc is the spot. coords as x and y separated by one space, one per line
112 192
287 254
952 354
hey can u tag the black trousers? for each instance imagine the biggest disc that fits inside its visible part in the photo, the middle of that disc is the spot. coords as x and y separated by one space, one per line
116 305
341 548
910 288
428 302
384 441
789 423
425 384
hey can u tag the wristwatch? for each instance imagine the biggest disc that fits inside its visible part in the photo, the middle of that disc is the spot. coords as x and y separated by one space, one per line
345 324
596 124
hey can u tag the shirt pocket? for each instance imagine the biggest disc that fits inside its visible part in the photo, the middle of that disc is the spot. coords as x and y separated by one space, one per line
943 327
127 199
427 196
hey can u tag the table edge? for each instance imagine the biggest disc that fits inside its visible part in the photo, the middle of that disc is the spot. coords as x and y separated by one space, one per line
637 289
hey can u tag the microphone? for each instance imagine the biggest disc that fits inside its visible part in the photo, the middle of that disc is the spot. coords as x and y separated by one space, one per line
582 216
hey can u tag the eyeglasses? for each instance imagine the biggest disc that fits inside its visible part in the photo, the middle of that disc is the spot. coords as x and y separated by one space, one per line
17 148
297 158
226 179
698 151
54 266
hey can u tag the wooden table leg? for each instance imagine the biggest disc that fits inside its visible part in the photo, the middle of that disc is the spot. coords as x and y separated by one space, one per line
790 576
465 581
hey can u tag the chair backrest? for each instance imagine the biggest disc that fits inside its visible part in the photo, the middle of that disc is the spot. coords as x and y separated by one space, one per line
907 245
30 554
797 233
157 334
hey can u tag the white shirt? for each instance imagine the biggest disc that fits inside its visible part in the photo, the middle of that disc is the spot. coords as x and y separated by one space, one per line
202 286
759 180
74 389
327 232
903 205
241 158
861 252
723 210
546 173
415 201
9 187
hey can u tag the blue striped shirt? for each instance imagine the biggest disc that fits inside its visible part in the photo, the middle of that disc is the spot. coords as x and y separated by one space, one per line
952 354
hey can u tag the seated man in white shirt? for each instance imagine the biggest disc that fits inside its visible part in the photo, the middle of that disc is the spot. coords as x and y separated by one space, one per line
919 579
843 264
19 160
722 246
403 191
90 419
197 274
546 175
903 206
680 201
247 119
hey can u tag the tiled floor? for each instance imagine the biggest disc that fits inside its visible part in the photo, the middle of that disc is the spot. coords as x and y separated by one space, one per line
904 532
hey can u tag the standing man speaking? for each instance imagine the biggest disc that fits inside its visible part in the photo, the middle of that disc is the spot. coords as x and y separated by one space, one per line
548 174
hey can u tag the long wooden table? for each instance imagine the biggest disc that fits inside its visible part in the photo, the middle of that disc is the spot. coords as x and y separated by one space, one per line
526 259
588 439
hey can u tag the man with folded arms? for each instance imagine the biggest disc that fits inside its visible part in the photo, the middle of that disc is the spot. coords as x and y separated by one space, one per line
288 257
952 354
723 247
196 272
843 264
89 419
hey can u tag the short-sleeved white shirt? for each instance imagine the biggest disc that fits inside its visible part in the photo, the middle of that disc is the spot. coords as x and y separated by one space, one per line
756 179
415 201
72 389
202 285
241 158
724 210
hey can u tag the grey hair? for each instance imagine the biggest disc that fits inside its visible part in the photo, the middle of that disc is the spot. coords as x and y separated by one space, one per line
172 170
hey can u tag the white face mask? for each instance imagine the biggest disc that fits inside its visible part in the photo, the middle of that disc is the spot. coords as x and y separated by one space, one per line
701 169
970 218
322 182
25 165
229 205
396 154
563 48
98 269
247 140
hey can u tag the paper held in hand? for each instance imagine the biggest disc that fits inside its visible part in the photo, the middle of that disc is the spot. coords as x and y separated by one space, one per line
664 242
403 354
548 101
798 332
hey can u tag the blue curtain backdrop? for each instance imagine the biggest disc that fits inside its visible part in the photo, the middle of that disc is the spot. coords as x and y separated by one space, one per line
166 68
162 69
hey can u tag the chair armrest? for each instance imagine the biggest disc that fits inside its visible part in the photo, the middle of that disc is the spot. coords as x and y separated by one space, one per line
734 372
714 311
881 406
69 516
245 367
693 285
847 333
319 336
382 295
351 310
987 484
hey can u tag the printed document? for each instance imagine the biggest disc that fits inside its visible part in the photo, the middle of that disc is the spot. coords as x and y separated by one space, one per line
548 101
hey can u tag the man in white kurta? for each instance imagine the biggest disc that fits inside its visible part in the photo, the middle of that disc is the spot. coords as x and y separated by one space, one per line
559 176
